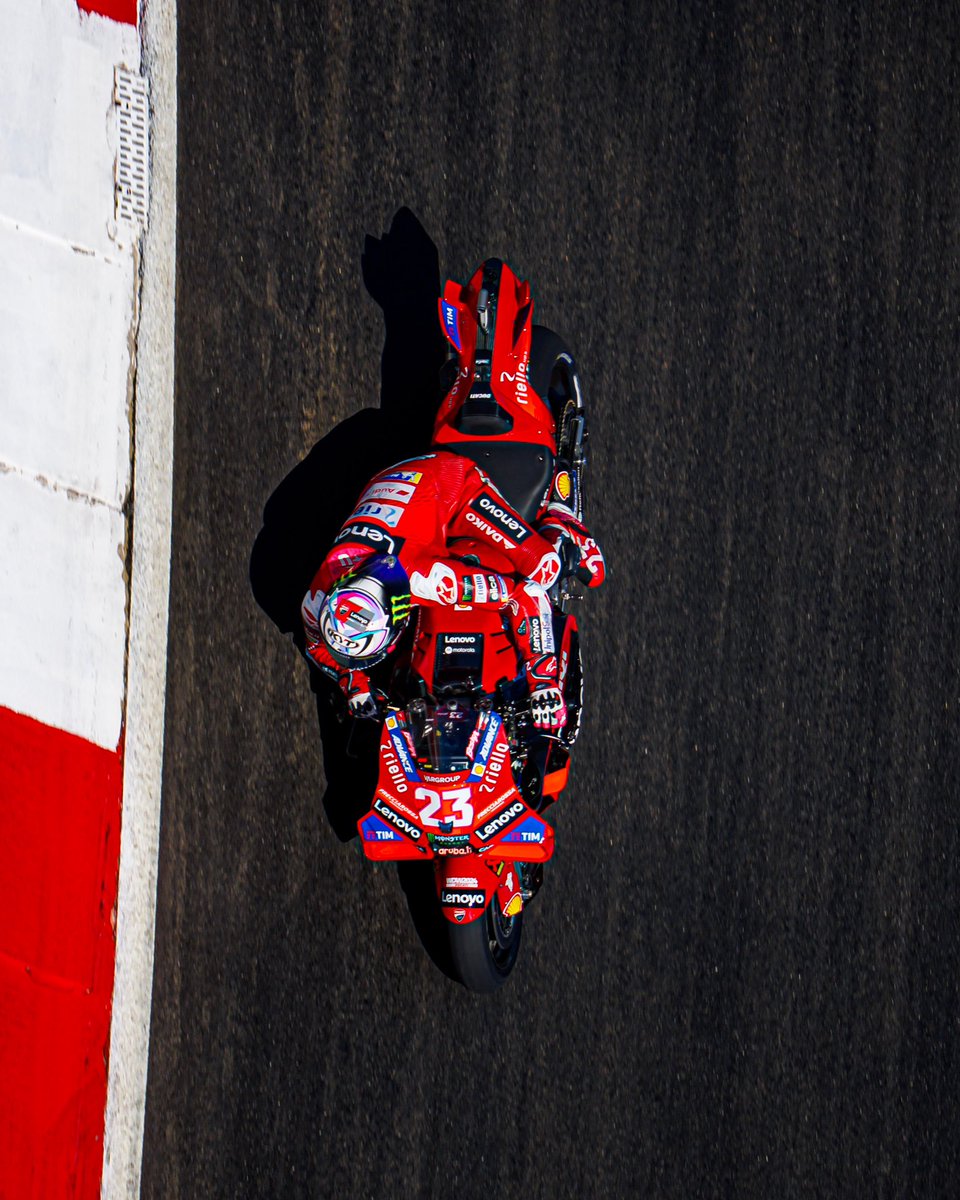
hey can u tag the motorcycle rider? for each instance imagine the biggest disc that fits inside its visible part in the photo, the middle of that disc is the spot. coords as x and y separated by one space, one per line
435 530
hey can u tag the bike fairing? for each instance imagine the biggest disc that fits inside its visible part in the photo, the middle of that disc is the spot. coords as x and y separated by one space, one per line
440 818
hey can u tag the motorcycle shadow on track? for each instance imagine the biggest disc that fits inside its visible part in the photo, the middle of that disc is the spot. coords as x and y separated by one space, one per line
305 512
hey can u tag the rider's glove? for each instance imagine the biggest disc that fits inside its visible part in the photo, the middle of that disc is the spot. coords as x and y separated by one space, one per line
356 688
548 709
559 524
363 705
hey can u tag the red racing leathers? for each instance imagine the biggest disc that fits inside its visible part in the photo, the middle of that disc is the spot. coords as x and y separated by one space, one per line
431 513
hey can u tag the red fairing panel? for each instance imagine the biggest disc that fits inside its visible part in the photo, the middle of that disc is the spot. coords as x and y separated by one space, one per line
419 814
464 887
510 365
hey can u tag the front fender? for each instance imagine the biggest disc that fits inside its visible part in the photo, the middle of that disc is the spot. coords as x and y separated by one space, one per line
465 886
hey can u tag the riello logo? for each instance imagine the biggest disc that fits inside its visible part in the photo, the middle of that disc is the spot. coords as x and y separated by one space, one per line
493 769
397 779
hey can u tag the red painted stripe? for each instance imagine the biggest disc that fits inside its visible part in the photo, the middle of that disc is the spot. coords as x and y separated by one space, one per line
59 859
116 10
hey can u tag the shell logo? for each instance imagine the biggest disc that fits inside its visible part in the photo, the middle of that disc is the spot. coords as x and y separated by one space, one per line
514 906
563 485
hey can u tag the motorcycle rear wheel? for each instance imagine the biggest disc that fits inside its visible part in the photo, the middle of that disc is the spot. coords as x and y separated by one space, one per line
554 376
552 370
485 951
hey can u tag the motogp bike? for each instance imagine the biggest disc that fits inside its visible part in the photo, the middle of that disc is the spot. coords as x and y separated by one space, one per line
466 782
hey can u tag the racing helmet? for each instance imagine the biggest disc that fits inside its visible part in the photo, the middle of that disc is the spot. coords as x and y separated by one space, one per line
366 611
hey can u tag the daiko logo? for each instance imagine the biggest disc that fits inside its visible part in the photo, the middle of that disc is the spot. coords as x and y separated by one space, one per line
499 518
495 534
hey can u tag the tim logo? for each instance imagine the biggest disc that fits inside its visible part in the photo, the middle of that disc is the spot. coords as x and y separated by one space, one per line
388 514
451 322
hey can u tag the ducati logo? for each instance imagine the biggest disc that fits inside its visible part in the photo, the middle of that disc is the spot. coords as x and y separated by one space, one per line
346 608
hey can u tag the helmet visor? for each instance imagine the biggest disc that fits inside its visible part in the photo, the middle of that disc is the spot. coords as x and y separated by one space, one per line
355 625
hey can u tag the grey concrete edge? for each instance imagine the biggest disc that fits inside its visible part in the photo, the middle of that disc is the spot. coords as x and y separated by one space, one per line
147 630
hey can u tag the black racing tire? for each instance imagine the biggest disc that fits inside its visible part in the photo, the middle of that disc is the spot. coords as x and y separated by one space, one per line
484 952
566 446
555 378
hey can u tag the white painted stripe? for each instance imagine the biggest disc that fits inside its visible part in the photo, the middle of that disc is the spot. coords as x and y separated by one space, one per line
62 609
57 139
149 604
66 315
65 320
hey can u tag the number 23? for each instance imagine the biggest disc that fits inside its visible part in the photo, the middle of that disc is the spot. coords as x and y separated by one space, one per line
452 804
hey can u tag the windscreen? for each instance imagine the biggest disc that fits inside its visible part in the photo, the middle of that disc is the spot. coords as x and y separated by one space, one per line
442 733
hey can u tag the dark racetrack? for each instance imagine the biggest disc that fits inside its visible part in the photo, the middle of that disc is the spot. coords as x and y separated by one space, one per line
741 977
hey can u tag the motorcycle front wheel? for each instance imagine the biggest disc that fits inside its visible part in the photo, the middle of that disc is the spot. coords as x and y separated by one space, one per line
485 951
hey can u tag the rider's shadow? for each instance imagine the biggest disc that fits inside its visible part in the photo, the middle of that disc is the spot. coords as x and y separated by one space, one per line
304 514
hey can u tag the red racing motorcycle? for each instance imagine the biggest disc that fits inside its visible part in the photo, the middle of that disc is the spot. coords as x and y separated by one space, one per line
465 780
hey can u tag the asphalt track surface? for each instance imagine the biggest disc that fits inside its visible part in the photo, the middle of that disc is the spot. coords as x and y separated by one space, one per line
742 976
